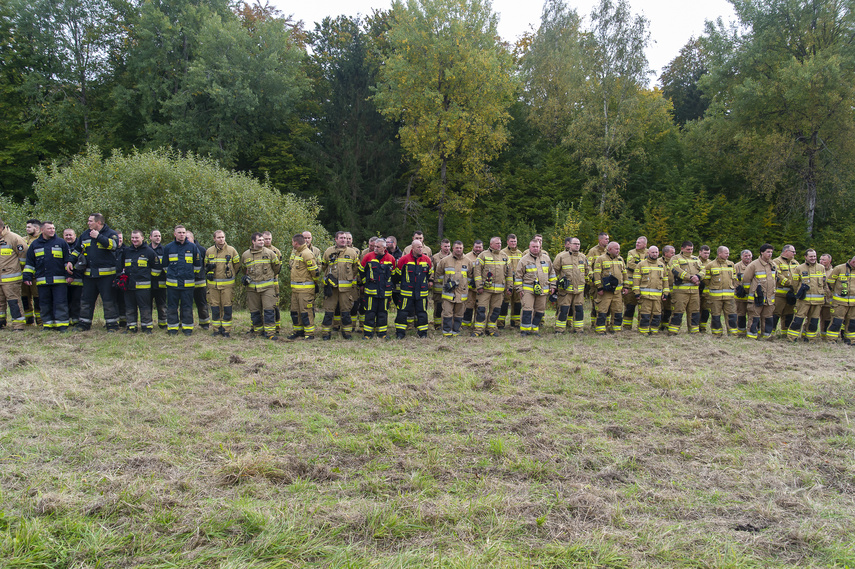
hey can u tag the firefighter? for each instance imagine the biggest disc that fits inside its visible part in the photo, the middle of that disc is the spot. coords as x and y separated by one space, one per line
759 280
418 235
452 272
436 291
30 293
98 245
493 283
571 272
222 264
200 287
609 277
340 269
75 285
181 263
687 272
704 295
720 289
13 256
377 269
634 257
595 253
668 253
512 304
158 284
268 243
535 280
809 284
414 274
825 317
785 295
47 258
842 286
141 266
472 295
741 293
650 284
261 268
305 284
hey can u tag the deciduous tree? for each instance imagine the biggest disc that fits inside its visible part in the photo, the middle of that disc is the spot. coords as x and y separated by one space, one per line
449 82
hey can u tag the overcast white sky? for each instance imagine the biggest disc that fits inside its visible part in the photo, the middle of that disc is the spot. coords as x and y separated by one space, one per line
672 22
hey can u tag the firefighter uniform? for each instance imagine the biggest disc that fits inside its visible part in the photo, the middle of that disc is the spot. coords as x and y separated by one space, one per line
75 289
276 288
685 295
221 268
785 300
594 253
533 278
511 304
340 267
200 292
158 289
377 274
98 276
30 293
809 284
571 273
720 292
842 285
452 274
414 275
629 303
649 284
609 276
181 264
45 269
740 298
472 296
825 315
492 273
141 266
262 267
13 256
759 279
436 292
305 277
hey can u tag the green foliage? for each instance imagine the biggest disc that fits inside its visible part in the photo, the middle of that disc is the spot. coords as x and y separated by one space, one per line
784 92
13 214
680 82
159 189
449 82
356 155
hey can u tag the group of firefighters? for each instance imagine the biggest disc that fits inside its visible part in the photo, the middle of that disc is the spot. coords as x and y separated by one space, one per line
55 282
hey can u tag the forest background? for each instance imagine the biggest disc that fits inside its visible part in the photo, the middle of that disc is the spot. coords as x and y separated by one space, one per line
217 113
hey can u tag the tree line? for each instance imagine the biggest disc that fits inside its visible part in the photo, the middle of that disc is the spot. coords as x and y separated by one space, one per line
422 117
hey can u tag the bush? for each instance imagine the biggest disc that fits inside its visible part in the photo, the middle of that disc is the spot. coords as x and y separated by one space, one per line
14 215
159 189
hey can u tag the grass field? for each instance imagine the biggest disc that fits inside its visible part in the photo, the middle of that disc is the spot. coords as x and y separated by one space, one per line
623 451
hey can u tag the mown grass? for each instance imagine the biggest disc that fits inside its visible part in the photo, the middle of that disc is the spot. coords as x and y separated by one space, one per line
622 451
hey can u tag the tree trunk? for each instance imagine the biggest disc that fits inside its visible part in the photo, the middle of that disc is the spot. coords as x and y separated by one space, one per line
810 185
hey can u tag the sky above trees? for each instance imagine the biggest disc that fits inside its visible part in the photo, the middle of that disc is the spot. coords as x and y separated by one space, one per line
672 22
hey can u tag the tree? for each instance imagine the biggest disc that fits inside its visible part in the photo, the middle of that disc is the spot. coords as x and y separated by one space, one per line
552 69
784 89
680 82
355 151
616 69
450 84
